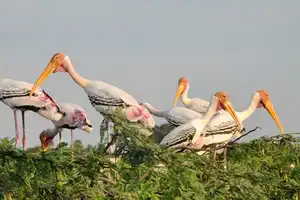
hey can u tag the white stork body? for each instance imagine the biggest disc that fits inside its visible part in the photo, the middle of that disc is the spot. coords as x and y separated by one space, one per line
176 116
15 94
75 117
220 130
191 132
221 127
107 98
196 104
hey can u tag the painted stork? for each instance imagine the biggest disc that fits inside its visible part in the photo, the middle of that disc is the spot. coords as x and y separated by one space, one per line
191 133
221 127
196 104
74 117
176 116
104 97
15 94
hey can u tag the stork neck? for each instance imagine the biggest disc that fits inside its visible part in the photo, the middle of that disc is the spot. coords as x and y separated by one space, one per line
184 96
211 110
206 118
249 111
56 130
209 114
76 77
153 110
53 132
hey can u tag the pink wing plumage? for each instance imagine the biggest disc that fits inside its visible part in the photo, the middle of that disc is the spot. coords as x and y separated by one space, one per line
141 114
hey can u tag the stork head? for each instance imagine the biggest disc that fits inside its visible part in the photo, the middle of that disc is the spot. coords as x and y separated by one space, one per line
46 138
182 87
221 101
262 98
58 63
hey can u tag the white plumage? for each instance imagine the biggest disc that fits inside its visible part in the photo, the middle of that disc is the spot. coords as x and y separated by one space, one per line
15 94
175 116
107 98
222 127
191 132
104 97
74 117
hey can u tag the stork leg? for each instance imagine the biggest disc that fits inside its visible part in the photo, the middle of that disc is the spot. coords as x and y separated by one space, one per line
60 140
110 141
108 138
215 157
23 124
225 157
103 129
72 135
112 138
16 127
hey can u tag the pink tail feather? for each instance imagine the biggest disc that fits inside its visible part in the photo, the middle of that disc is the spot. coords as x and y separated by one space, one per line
140 113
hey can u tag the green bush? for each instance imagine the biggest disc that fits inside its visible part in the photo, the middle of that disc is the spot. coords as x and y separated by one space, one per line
266 168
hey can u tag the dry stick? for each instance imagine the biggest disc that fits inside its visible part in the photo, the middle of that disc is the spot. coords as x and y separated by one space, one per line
113 139
230 144
255 129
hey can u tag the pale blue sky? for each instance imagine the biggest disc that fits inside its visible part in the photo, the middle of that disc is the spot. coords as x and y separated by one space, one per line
144 47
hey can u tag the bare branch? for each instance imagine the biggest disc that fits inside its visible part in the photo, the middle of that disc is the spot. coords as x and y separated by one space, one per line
113 139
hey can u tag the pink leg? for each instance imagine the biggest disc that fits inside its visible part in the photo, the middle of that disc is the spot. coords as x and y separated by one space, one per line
225 157
60 137
215 157
23 124
72 133
16 127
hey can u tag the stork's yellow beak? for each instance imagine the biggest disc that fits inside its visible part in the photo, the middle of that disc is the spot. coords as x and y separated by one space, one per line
45 147
229 108
270 108
45 74
180 89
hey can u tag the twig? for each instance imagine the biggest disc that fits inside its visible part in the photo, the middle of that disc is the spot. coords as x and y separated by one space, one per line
107 180
113 139
255 129
146 174
230 144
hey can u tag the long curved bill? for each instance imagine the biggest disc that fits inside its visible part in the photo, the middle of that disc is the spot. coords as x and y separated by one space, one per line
45 74
229 108
270 108
178 93
45 148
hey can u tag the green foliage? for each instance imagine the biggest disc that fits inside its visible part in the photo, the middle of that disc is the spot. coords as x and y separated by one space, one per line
260 169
